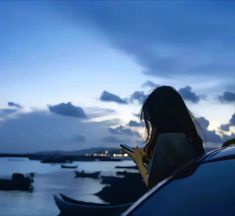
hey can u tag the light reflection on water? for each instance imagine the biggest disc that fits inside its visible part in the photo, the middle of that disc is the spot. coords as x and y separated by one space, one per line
48 180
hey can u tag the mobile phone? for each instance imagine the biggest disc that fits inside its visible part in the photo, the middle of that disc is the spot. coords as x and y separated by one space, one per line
126 147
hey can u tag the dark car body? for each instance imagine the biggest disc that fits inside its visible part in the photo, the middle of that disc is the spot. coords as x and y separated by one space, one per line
202 187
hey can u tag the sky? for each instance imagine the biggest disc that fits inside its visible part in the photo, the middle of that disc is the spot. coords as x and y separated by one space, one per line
75 73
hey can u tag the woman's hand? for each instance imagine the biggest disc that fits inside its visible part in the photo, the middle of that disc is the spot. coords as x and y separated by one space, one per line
137 155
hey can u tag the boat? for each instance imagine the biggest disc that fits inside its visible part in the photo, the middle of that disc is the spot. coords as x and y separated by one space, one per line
110 179
68 166
122 189
127 174
83 174
126 167
69 206
17 182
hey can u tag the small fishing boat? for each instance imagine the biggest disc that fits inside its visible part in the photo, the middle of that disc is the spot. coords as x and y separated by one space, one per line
68 166
127 174
69 206
17 182
83 174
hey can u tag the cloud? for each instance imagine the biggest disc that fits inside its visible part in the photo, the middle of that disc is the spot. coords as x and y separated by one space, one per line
7 112
204 123
135 124
93 112
165 39
113 140
16 105
67 109
187 94
228 97
123 131
232 120
150 84
139 96
125 135
207 135
43 131
212 137
78 138
231 123
109 97
225 127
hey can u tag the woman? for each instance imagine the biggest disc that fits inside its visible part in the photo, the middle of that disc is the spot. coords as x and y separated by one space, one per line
172 138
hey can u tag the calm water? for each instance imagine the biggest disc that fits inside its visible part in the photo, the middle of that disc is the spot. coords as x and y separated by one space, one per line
48 180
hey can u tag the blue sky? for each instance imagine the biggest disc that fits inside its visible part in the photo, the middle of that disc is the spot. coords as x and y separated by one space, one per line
77 68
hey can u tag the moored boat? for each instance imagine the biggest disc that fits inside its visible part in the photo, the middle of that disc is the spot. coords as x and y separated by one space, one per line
122 189
69 206
68 166
17 182
83 174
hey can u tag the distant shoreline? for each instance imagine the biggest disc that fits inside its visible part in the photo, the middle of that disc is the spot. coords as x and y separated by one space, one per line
14 155
61 158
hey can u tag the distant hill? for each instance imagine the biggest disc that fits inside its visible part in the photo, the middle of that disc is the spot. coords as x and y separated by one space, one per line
78 152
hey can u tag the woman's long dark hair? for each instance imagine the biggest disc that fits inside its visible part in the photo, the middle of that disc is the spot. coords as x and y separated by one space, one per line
165 111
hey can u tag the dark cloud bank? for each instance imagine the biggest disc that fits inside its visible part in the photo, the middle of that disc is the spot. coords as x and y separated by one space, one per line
165 38
39 131
43 131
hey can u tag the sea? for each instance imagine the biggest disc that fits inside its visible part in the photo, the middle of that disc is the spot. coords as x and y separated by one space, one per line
50 179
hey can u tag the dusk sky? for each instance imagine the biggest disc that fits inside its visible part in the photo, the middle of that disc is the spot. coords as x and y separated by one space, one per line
75 73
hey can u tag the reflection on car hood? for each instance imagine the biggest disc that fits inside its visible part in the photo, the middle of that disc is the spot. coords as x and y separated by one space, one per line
219 154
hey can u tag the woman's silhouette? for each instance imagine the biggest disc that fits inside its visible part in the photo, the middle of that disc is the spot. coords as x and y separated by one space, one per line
172 138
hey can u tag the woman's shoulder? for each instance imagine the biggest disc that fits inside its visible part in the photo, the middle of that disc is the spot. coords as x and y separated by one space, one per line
176 140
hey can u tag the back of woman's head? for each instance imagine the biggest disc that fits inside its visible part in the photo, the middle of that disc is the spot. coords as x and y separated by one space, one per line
165 111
